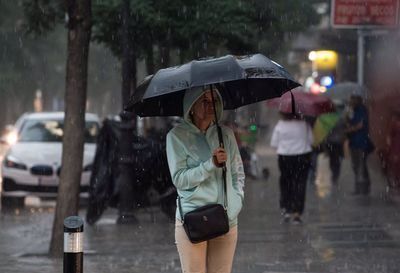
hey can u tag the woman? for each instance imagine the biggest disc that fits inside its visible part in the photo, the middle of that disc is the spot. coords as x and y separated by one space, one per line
292 137
195 161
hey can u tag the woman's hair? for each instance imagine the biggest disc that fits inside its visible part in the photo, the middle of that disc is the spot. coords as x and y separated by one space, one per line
206 89
289 116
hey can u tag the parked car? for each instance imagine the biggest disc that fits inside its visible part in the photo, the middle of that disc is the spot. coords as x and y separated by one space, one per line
32 164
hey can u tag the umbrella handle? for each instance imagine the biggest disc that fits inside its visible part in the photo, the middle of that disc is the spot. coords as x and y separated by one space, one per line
293 104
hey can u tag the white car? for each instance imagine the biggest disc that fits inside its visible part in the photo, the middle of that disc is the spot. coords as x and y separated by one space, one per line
32 164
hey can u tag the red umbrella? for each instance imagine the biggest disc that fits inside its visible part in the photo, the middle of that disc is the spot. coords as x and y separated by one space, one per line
306 104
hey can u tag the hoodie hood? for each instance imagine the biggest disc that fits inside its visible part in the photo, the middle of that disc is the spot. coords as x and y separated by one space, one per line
192 95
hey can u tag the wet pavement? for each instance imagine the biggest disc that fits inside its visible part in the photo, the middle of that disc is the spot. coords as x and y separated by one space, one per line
341 233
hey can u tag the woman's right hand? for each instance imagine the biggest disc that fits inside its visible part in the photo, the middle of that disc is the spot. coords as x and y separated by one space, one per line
219 157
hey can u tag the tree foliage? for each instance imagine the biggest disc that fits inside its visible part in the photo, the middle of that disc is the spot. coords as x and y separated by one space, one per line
43 16
275 19
192 28
27 63
199 28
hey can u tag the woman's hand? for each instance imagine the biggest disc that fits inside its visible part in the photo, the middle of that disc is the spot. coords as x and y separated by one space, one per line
219 157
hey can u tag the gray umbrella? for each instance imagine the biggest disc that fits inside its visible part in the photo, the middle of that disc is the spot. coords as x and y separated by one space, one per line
241 80
341 92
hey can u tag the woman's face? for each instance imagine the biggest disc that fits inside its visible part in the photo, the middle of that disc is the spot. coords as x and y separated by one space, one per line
203 108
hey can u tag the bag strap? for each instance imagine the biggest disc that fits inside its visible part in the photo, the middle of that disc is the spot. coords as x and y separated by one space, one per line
221 144
225 202
180 208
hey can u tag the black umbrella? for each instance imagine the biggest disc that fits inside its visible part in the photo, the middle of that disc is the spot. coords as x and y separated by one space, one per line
241 80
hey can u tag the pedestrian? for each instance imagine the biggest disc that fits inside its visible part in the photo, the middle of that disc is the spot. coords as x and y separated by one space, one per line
333 143
360 143
195 160
292 137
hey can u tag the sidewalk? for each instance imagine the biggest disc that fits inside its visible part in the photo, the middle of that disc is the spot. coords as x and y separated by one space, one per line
341 233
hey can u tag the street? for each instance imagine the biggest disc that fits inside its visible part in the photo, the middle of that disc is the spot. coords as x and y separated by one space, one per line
340 233
89 90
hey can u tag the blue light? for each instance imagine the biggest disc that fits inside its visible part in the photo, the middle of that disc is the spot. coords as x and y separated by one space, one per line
326 81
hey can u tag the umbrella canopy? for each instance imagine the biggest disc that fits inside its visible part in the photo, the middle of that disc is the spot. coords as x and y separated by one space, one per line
323 125
241 80
341 92
306 104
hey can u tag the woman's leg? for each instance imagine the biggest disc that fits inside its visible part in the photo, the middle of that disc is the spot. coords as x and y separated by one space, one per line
220 252
302 167
290 172
284 181
365 174
335 161
356 162
192 256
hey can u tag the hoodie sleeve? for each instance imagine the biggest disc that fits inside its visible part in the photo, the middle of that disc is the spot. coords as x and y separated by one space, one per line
183 177
237 170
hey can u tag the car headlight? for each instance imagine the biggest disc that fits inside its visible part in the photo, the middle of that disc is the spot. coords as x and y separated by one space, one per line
12 162
11 138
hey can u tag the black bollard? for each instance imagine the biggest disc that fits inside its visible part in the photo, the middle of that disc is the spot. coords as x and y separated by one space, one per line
73 245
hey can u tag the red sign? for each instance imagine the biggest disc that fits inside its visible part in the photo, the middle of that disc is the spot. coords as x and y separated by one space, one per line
365 13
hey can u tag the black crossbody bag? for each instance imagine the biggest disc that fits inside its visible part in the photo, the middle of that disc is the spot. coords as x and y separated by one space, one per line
207 222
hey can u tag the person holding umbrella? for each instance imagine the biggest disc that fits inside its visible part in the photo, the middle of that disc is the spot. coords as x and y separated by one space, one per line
204 158
292 137
195 160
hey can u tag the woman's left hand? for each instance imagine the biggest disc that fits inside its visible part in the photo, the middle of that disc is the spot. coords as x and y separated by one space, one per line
219 157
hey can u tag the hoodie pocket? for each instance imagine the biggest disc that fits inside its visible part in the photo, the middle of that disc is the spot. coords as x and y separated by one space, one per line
234 206
204 194
187 194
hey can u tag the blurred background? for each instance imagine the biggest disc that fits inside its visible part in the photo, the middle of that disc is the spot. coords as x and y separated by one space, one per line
324 44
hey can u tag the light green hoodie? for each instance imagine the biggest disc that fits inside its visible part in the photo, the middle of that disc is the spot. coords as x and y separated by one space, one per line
198 181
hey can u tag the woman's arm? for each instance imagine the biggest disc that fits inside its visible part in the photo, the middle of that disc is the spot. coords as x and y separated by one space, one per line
183 177
275 137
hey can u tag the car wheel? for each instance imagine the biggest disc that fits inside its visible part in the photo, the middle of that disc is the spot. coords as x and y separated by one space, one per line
12 202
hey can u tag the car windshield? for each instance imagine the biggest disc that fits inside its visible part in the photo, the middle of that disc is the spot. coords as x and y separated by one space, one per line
52 131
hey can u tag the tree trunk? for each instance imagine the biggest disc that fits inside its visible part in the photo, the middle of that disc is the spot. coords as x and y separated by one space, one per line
165 49
150 60
79 30
128 57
